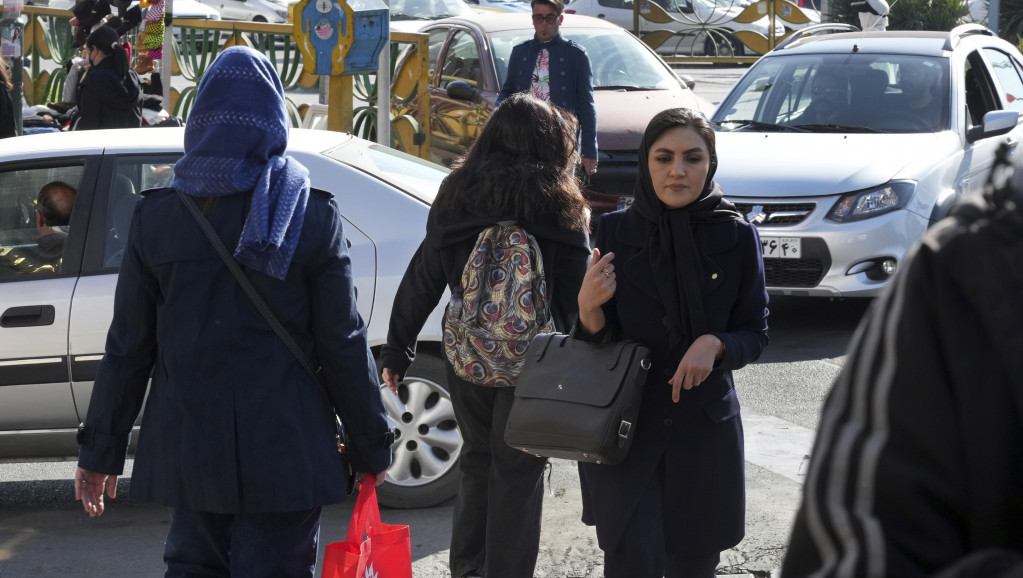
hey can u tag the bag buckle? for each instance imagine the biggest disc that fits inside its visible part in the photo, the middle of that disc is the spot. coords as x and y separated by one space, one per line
624 428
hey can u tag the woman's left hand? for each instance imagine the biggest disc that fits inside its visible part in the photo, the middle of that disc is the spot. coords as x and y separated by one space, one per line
696 364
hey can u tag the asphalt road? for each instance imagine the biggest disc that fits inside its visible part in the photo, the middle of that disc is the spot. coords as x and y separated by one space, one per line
43 532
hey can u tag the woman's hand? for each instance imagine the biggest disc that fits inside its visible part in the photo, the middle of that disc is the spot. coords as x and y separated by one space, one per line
696 364
598 287
391 379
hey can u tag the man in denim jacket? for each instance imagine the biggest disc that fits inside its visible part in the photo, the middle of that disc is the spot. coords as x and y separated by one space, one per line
558 71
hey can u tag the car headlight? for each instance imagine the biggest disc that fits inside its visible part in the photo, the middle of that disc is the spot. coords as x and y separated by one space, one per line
282 13
872 202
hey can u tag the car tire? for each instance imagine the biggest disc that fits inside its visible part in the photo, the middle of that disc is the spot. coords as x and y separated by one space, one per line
424 470
722 45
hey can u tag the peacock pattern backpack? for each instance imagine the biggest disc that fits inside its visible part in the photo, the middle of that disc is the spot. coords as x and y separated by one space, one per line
502 306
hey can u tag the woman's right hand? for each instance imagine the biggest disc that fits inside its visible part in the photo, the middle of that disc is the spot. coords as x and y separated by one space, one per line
391 379
597 289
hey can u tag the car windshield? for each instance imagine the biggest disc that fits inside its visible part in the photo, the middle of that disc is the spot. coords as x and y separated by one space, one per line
618 59
417 177
427 9
840 93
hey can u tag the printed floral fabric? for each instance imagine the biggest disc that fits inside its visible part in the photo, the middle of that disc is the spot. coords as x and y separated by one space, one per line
541 86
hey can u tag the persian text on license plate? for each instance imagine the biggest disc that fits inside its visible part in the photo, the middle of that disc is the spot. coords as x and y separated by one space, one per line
781 247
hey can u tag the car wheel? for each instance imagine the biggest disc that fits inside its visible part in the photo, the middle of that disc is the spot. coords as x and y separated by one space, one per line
259 19
718 44
424 470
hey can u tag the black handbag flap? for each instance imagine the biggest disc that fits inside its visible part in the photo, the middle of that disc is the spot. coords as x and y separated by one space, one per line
561 368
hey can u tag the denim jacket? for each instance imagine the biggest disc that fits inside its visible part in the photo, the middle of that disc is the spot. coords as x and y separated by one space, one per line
571 83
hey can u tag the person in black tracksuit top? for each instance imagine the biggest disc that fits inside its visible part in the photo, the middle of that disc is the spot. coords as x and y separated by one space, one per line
917 469
109 95
520 168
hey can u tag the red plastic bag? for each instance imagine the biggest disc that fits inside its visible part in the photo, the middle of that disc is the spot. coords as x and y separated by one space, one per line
372 549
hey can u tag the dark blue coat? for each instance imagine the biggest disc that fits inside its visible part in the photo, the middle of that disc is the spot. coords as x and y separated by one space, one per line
232 422
571 83
698 440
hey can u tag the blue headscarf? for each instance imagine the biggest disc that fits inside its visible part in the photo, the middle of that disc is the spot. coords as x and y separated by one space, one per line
235 140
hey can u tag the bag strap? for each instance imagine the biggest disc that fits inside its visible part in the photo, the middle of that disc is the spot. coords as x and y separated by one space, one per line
365 522
261 305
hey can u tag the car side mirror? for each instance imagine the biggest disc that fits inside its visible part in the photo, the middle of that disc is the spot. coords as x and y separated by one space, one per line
995 123
687 80
460 90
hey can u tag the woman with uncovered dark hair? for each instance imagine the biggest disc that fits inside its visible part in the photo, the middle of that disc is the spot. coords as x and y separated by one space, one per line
520 168
109 93
692 290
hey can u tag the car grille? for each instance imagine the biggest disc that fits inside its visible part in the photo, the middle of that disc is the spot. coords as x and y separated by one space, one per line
777 214
805 272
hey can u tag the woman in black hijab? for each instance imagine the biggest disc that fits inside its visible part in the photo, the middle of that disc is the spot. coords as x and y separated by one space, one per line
681 272
109 93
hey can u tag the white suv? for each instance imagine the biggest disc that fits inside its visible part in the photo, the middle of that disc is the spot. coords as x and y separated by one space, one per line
843 148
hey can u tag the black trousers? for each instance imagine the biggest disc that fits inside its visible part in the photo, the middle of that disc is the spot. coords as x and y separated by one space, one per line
642 551
496 527
252 545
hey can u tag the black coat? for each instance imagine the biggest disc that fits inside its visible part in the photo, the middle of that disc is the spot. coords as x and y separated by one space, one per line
232 422
698 440
106 101
438 264
917 468
7 128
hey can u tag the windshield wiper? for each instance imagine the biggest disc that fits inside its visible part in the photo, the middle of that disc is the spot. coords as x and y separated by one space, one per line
756 124
629 88
839 128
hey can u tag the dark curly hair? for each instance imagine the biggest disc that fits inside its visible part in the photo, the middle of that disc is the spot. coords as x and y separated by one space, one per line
522 164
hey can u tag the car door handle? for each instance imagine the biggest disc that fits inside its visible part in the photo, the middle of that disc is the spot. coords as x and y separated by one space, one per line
28 316
1012 142
601 16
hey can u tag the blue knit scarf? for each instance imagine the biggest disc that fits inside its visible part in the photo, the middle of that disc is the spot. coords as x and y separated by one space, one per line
235 140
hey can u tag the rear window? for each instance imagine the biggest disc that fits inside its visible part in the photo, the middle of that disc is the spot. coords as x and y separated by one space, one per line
417 177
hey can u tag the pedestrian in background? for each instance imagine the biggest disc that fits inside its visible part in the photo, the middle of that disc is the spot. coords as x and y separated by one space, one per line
521 168
7 124
236 437
681 272
109 94
917 469
558 72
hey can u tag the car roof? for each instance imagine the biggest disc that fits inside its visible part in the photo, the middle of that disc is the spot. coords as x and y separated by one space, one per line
140 140
503 21
923 43
909 42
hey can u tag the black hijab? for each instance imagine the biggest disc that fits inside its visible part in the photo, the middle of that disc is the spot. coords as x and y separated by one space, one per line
674 256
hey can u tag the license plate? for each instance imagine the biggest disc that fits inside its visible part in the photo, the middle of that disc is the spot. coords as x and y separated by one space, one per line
781 247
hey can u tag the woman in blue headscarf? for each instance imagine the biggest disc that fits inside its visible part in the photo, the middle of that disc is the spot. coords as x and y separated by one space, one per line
236 438
681 272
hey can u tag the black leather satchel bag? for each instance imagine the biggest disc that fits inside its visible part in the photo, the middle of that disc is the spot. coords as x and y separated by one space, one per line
577 400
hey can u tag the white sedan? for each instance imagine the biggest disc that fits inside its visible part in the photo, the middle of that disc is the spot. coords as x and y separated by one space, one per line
54 320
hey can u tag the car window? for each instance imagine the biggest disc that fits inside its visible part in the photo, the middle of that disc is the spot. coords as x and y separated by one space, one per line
426 9
836 93
1008 78
132 176
462 61
616 3
413 175
437 38
979 90
619 60
35 214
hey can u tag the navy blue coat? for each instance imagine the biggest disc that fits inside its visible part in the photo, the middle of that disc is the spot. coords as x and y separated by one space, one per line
698 440
571 83
232 422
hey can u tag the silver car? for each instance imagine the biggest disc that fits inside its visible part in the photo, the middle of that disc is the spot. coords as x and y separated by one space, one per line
54 317
844 148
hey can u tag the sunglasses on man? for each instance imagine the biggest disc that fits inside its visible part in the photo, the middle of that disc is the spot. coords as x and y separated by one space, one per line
540 18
